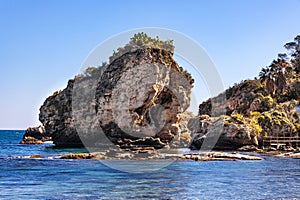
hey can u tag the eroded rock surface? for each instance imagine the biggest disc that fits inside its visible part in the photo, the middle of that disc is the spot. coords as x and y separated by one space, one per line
141 94
35 135
219 135
135 100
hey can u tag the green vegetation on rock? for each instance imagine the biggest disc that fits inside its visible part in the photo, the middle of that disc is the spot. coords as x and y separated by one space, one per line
267 103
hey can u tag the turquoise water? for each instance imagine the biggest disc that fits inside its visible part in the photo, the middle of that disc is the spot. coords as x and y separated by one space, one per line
50 178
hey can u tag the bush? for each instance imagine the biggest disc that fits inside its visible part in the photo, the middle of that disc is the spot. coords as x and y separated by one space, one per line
238 118
255 117
267 102
89 71
143 40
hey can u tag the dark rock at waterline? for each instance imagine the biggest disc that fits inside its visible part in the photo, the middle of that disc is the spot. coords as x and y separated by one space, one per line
35 135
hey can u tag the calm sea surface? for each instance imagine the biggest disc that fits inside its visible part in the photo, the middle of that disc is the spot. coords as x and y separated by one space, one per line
50 178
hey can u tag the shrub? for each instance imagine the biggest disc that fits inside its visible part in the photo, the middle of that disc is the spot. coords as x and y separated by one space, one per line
267 102
238 118
255 116
90 70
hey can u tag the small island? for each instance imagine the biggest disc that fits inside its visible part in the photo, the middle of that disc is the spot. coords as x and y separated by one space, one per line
258 115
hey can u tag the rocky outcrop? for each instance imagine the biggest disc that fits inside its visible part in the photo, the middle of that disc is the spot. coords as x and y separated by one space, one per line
237 130
151 154
242 98
219 156
135 100
140 97
56 117
229 135
35 135
265 106
141 94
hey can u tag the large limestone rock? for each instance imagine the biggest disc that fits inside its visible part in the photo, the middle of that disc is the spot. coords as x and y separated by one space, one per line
141 94
135 100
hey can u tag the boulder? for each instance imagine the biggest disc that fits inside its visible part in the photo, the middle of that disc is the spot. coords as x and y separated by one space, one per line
35 135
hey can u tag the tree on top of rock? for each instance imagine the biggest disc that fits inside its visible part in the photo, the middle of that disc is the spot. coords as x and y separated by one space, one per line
286 66
142 40
274 76
294 48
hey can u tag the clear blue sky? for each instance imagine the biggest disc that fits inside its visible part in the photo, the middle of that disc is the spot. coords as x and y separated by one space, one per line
43 43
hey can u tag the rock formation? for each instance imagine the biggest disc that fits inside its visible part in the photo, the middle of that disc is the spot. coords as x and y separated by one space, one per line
35 135
56 117
232 135
146 100
139 100
134 100
253 109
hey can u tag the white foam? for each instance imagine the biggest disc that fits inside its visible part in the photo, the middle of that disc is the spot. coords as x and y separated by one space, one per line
48 142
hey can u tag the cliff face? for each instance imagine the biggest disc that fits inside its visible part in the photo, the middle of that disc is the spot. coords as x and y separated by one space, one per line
141 94
265 106
137 101
230 136
56 117
254 109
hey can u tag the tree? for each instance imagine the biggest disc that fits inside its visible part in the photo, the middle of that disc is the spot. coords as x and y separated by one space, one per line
263 74
274 75
294 48
142 40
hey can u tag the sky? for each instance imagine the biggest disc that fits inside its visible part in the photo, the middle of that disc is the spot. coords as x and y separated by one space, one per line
44 43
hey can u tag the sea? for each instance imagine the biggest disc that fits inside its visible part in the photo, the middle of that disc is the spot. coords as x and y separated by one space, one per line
22 177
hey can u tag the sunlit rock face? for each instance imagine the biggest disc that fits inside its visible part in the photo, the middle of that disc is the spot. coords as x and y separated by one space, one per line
135 100
140 95
35 135
252 112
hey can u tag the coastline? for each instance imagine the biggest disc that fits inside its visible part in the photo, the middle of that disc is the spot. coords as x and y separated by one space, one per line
152 154
200 156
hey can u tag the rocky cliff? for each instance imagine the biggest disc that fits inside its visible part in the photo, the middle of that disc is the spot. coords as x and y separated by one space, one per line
141 94
137 99
265 106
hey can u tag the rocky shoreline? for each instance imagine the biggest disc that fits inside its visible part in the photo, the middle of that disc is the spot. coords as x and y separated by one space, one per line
152 155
